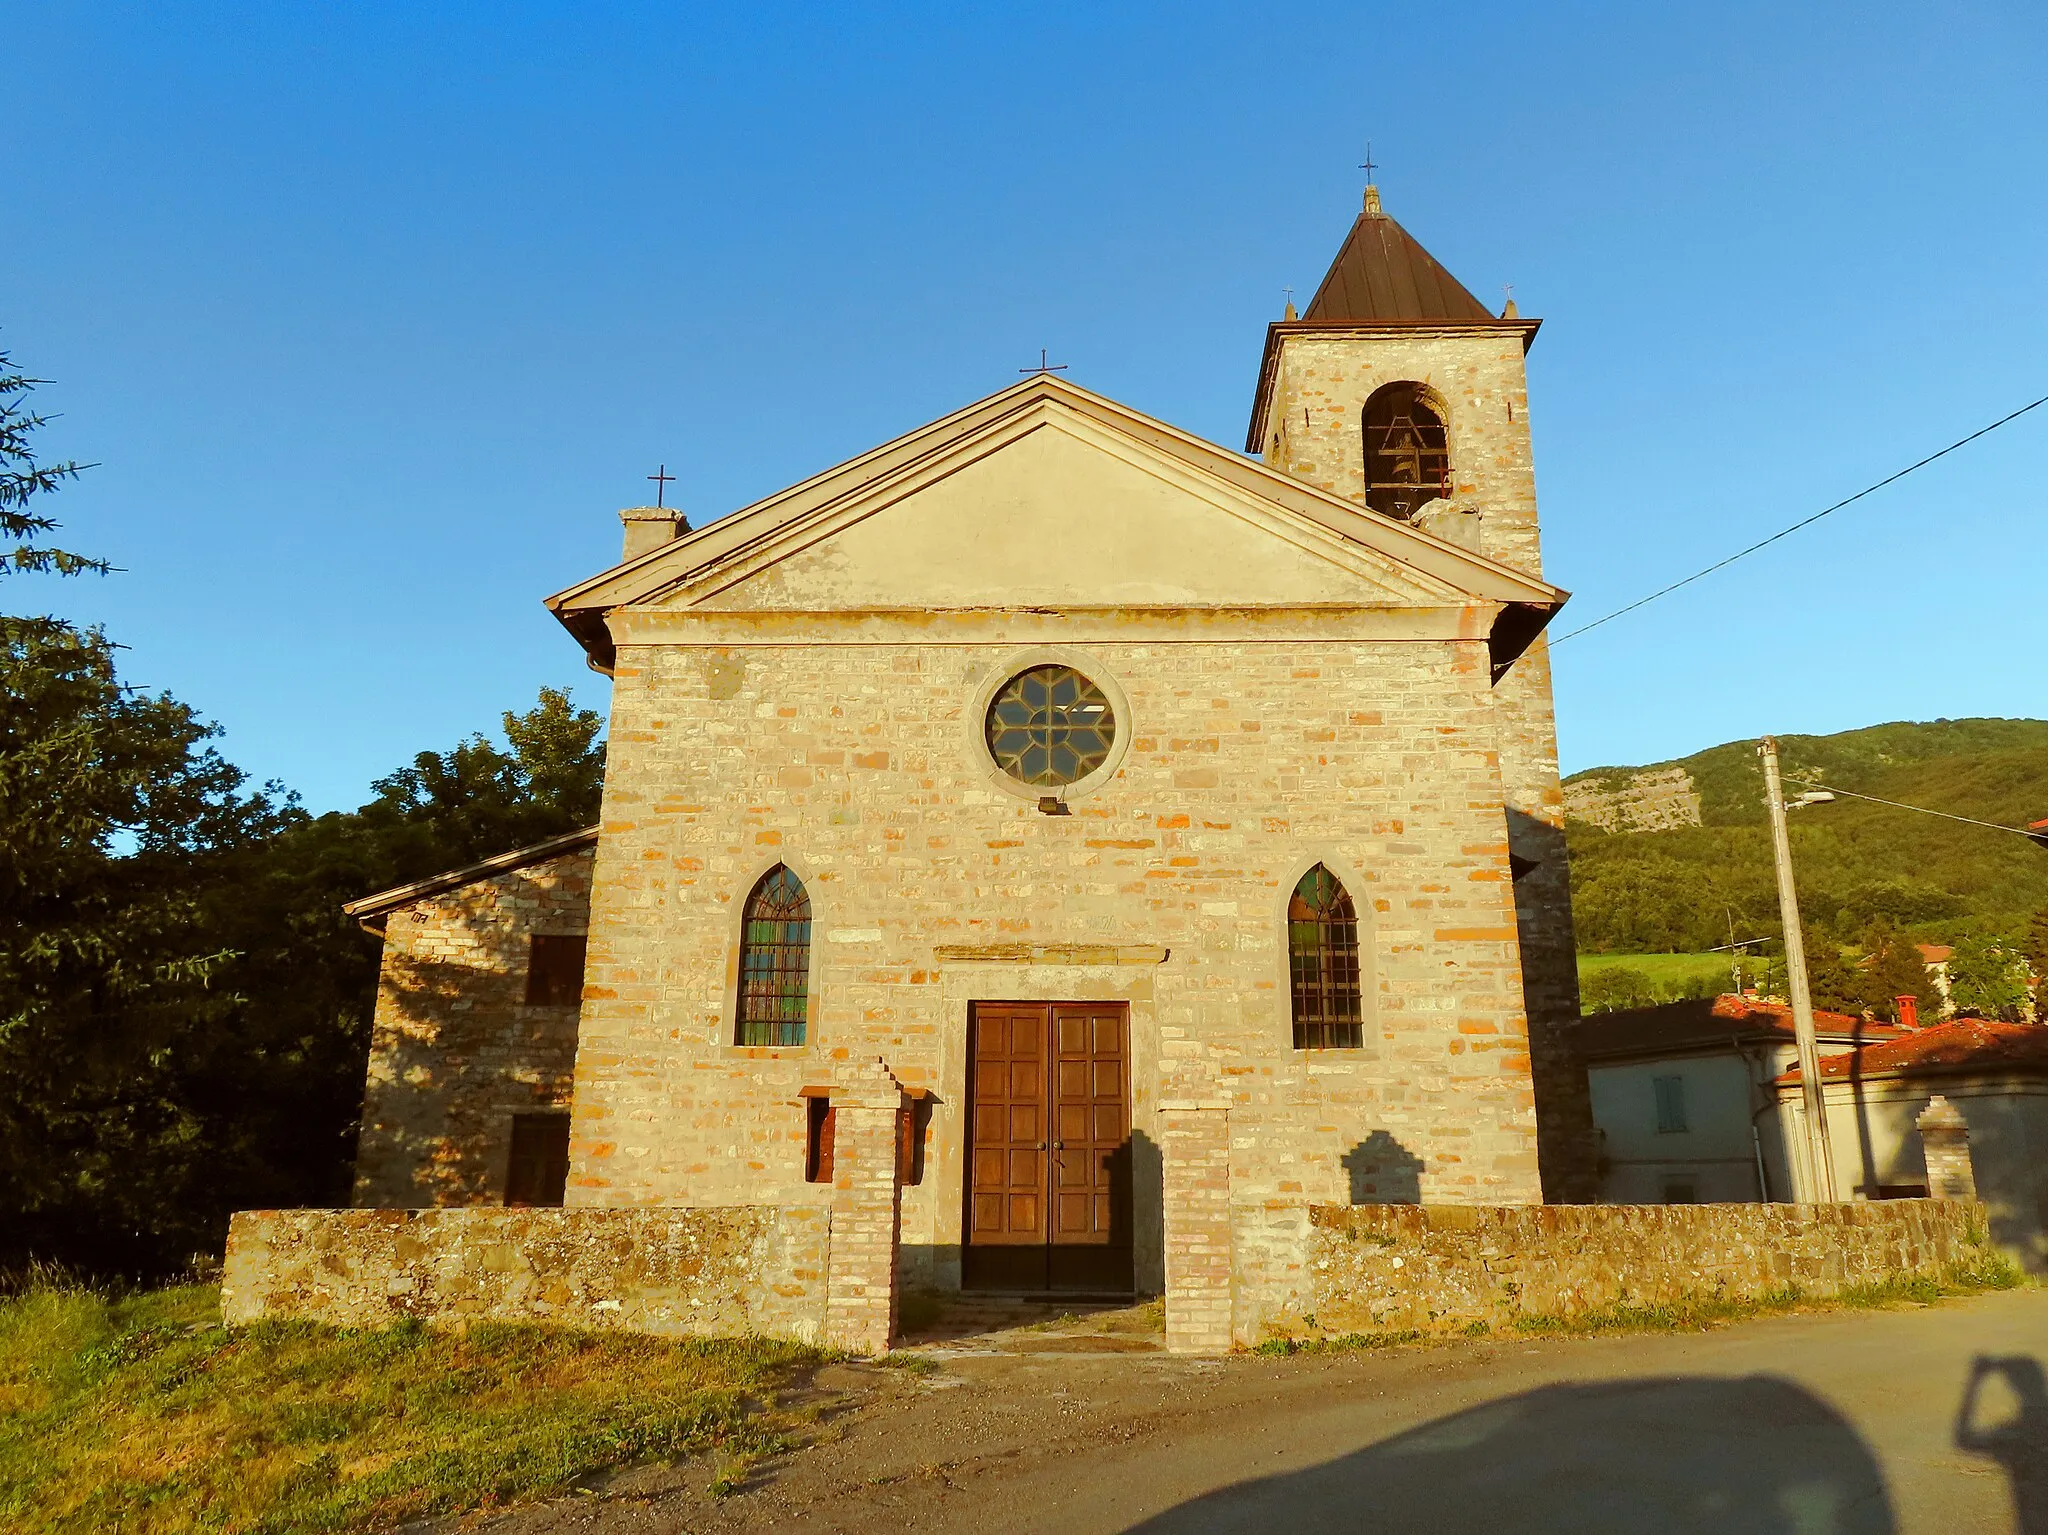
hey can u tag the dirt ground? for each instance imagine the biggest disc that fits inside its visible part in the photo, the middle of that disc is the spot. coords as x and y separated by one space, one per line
1913 1419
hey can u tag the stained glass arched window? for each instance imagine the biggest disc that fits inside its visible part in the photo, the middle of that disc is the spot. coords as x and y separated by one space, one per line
775 961
1407 452
1050 727
1322 960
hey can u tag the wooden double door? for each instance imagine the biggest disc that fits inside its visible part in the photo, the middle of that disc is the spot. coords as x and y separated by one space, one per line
1049 1136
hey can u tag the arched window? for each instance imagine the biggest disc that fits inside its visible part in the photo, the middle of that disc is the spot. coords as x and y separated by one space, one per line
775 961
1407 454
1322 958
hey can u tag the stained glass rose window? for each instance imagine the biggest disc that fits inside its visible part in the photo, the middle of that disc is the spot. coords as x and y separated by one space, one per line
1050 727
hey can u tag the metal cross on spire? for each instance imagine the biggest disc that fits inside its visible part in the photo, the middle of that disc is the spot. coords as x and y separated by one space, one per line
1369 167
662 479
1043 366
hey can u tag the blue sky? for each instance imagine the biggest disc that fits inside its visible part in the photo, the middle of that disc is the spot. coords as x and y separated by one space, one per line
373 315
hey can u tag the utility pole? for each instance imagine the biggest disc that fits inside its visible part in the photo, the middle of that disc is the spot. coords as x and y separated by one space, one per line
1817 1154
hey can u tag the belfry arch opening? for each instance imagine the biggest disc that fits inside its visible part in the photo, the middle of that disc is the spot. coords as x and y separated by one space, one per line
1407 449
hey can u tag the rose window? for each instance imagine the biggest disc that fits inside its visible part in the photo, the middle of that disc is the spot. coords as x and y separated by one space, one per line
1050 727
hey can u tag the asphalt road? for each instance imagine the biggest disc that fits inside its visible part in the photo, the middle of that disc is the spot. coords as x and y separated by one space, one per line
1919 1419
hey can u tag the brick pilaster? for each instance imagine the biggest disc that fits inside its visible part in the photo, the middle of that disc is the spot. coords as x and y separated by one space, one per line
1195 1147
1945 1136
860 1304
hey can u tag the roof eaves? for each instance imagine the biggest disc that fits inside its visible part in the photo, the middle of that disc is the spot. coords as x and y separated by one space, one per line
384 901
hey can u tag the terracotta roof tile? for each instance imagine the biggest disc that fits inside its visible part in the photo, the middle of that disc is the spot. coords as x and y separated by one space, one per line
1958 1046
1707 1021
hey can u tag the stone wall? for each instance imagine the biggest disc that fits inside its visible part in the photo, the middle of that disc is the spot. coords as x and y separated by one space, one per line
1377 1267
455 1051
728 1272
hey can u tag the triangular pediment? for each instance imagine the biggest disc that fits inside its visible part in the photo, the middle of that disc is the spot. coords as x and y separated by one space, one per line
1056 513
1047 496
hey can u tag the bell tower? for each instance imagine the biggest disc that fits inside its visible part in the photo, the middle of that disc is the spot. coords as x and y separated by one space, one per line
1399 390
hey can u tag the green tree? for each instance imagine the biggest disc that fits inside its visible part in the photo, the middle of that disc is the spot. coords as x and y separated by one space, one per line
475 800
2037 962
1893 968
114 816
1986 980
1831 981
23 480
184 1008
1613 987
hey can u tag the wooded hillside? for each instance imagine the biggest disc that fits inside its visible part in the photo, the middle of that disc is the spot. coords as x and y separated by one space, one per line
1680 889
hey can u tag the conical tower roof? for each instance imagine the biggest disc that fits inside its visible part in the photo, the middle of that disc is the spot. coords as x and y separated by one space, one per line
1382 273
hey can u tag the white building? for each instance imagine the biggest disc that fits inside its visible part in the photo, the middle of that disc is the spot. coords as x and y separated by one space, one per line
1685 1102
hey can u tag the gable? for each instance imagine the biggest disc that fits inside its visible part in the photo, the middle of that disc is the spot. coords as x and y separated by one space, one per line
1059 516
1045 497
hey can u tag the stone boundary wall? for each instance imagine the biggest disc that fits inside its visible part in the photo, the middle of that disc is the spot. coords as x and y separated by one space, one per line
1378 1267
703 1272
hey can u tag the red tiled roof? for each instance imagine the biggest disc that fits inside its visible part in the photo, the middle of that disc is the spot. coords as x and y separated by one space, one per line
1934 953
1707 1021
1961 1045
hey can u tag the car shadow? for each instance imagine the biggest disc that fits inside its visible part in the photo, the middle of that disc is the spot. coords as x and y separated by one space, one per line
1682 1454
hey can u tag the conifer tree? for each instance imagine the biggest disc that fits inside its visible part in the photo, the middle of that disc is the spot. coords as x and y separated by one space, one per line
1893 968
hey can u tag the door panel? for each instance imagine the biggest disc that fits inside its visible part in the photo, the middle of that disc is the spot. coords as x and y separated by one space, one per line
1007 1204
1049 1174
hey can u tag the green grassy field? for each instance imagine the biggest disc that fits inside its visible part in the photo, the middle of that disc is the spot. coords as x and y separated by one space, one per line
144 1415
1666 970
1608 981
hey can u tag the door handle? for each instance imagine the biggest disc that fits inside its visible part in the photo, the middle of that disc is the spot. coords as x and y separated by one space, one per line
1059 1145
1041 1145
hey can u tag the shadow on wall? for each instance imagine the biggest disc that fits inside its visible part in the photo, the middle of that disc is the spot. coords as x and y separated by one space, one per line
1686 1454
437 1127
1383 1172
2008 1155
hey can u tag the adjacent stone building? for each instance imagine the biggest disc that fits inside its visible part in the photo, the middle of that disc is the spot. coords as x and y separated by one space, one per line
1180 829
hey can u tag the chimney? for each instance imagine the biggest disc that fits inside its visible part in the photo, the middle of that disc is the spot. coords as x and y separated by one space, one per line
1909 1011
649 527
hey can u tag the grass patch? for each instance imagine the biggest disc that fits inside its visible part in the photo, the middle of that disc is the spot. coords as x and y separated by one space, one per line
143 1414
1993 1272
1668 970
1280 1348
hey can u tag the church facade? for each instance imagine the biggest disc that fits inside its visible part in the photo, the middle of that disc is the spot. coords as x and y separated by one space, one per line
1174 825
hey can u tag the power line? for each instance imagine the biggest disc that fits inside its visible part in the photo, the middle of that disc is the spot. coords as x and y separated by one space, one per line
2018 831
1808 522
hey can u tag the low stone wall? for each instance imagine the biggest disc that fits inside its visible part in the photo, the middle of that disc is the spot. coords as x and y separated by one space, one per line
730 1271
1377 1267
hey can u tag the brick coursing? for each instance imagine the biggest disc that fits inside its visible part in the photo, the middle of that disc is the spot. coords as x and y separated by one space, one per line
455 1051
1199 1251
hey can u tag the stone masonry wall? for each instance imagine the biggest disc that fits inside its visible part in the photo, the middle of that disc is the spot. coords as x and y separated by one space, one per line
725 1272
858 764
1314 431
455 1051
1376 1267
